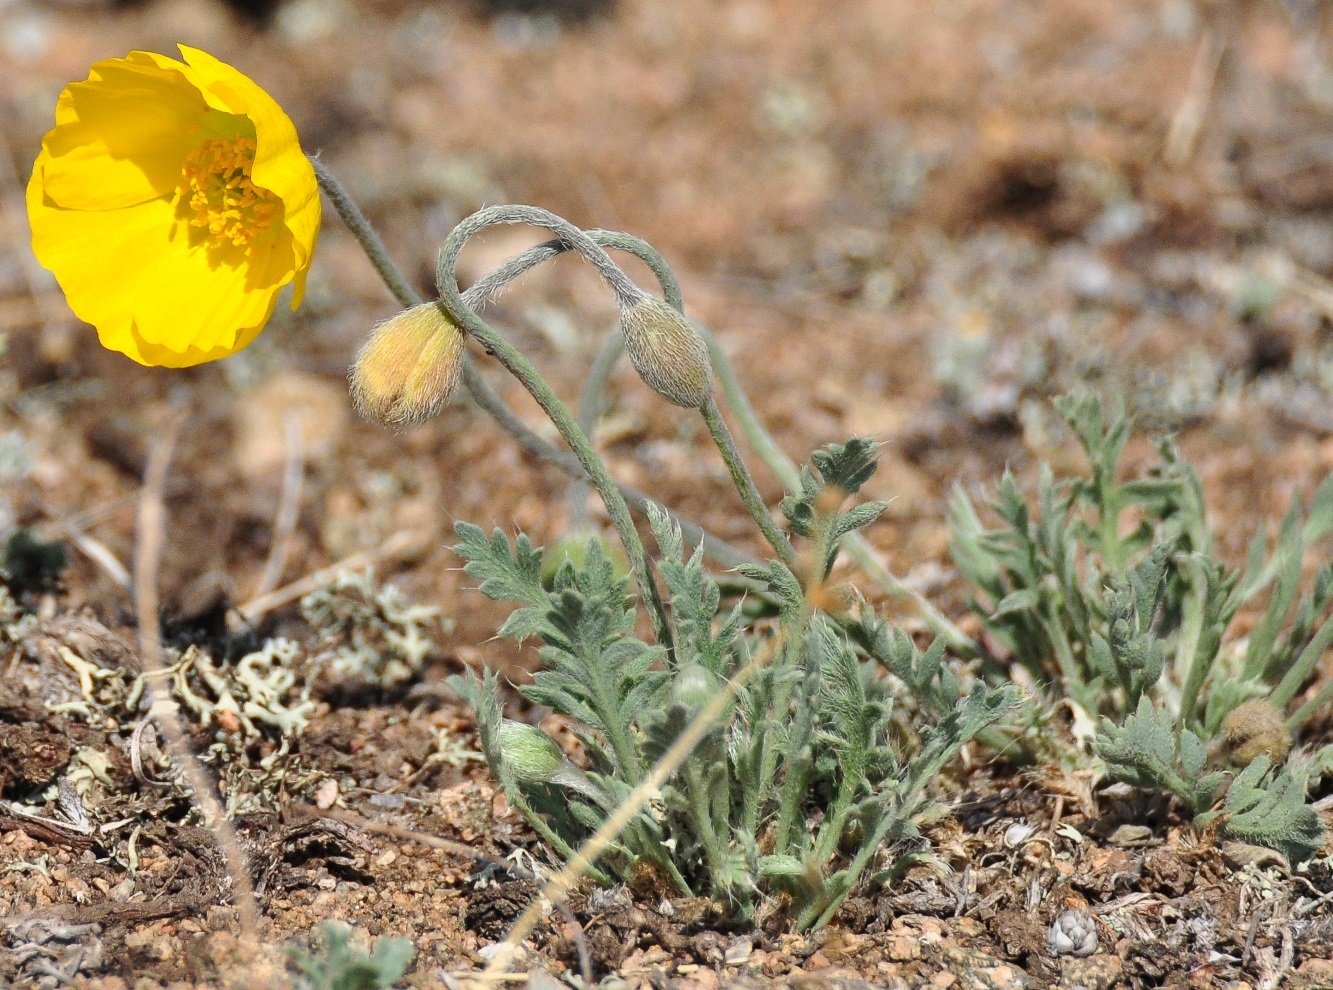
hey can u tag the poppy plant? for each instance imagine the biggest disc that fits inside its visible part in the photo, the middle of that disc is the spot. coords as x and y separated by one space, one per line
173 203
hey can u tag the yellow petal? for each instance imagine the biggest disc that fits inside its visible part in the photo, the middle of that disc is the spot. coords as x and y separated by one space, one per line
163 357
156 299
121 135
203 296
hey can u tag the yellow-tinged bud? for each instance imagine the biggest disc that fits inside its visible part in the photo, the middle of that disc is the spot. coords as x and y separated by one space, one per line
409 367
667 352
1255 729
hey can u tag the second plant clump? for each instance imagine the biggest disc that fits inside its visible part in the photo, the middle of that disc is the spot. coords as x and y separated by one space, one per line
1110 592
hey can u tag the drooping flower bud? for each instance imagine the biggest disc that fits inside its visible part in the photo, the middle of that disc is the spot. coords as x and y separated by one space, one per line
409 367
1253 729
530 753
667 352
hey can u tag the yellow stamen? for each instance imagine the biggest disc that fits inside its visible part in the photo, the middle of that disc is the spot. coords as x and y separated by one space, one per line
215 184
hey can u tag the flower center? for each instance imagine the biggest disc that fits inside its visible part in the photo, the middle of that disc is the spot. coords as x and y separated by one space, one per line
216 187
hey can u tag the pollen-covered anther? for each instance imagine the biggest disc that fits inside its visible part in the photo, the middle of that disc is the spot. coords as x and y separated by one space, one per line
217 188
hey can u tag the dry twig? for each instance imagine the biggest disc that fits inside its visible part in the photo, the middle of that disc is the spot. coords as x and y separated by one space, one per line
402 544
289 508
151 526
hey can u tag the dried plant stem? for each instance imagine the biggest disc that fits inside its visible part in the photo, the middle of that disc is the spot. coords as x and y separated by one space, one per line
482 394
403 543
517 365
1187 123
289 508
151 526
100 554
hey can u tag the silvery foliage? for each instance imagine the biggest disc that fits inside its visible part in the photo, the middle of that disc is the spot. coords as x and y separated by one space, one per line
806 782
1110 591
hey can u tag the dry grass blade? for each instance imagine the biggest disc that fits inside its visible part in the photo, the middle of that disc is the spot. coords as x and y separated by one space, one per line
151 526
1187 123
289 508
100 554
400 545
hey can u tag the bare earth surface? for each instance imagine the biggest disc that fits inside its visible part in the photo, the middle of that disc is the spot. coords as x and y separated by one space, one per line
913 220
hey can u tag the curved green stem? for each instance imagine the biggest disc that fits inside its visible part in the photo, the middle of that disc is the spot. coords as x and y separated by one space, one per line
763 444
482 394
740 477
517 365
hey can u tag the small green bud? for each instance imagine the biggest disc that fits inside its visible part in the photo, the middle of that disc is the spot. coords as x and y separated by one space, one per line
573 547
694 686
667 352
409 367
529 753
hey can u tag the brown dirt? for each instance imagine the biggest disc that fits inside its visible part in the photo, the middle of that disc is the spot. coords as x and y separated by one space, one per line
916 221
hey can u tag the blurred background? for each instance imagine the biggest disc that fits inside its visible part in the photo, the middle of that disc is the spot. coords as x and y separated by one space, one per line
915 220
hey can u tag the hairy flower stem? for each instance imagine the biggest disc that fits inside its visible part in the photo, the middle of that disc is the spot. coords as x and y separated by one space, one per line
763 444
517 365
740 477
481 393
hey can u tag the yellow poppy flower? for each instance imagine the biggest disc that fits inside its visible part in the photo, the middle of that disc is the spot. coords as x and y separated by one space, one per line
173 202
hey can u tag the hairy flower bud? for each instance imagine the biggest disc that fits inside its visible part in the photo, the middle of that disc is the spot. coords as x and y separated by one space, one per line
529 752
694 686
667 352
409 367
1255 729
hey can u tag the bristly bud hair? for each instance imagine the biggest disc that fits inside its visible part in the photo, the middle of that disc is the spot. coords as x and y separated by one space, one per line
1253 729
409 367
531 755
667 352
